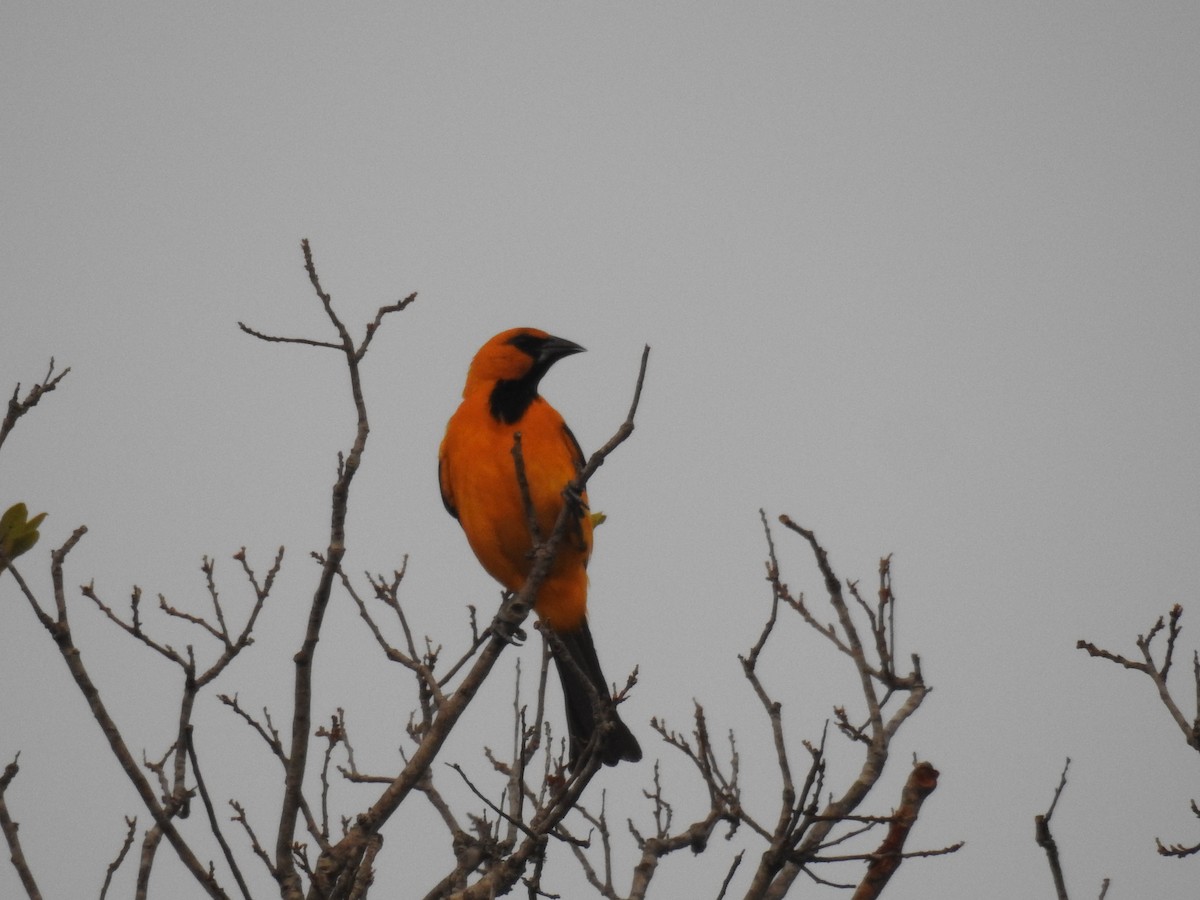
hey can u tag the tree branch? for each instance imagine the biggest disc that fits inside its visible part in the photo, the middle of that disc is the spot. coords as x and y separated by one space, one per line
922 782
1046 841
9 828
60 630
1158 672
130 832
297 758
17 407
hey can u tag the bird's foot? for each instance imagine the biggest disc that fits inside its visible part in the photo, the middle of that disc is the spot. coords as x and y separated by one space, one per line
574 498
507 632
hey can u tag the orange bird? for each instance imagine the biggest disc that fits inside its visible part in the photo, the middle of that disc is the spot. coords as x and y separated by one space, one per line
480 489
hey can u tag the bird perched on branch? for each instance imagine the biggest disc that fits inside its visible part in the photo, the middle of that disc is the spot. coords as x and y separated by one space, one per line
480 487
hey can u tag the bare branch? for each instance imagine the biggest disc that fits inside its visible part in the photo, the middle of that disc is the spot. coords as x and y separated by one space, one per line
130 831
270 735
833 586
59 629
428 687
9 827
17 407
1179 850
373 326
694 837
333 735
737 861
802 830
276 339
255 846
531 519
134 627
267 732
922 782
1158 672
1046 841
212 817
297 758
150 843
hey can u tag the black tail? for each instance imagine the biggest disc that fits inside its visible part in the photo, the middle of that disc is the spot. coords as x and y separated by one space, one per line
618 743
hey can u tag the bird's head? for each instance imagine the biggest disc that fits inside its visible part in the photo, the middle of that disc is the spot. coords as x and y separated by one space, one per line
511 364
519 354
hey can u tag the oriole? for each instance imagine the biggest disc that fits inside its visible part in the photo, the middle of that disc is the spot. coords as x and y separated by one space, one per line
480 488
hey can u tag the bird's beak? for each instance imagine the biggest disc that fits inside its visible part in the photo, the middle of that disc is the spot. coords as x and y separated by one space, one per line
555 348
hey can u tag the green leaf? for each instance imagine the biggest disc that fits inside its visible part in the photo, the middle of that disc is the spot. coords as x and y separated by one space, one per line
12 516
18 533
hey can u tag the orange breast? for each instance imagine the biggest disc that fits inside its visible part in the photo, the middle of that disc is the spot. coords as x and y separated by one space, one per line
479 478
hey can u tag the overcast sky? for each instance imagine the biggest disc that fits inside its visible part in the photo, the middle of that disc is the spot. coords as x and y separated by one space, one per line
921 275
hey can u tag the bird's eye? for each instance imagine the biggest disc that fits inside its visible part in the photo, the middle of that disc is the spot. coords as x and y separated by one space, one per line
527 343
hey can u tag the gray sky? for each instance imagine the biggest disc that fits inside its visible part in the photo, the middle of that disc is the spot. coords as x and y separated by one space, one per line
922 276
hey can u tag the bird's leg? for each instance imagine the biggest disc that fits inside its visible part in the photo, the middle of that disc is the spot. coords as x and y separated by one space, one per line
505 628
508 632
573 497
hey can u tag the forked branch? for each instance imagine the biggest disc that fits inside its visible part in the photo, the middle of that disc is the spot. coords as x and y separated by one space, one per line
800 832
18 405
1158 671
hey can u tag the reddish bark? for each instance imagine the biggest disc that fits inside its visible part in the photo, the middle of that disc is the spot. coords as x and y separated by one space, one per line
886 860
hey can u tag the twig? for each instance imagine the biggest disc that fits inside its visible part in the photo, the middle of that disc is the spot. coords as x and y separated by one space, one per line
508 871
59 629
276 339
9 827
428 687
1158 672
18 407
865 671
297 757
270 736
801 830
511 820
1046 841
1179 850
724 806
531 518
134 627
333 735
268 733
255 846
212 816
131 828
737 861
